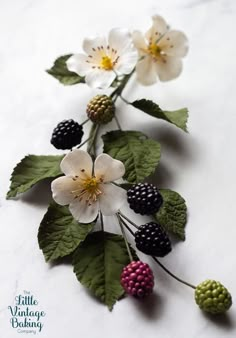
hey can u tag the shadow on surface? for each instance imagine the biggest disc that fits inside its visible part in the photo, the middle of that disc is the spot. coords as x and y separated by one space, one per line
39 195
224 320
151 307
162 177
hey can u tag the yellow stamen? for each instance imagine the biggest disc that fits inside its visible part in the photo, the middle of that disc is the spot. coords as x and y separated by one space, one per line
106 63
88 189
154 50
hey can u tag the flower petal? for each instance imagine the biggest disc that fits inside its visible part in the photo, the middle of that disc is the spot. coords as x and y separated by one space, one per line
77 162
168 68
174 43
90 45
108 168
139 41
99 78
119 39
111 199
159 27
146 71
79 64
127 62
62 188
83 212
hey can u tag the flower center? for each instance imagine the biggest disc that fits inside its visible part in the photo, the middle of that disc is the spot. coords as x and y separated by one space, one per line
106 63
91 184
88 189
154 50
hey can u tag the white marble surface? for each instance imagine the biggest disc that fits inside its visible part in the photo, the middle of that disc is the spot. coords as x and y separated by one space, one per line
201 165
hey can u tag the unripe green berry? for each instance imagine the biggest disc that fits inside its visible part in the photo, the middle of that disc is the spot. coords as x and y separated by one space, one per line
101 109
211 296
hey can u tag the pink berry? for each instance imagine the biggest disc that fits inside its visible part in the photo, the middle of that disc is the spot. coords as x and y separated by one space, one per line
137 279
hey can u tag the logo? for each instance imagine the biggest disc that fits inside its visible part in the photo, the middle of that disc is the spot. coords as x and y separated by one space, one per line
26 316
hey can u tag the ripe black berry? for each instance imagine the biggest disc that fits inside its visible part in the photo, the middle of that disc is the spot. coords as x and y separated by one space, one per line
144 199
152 240
67 134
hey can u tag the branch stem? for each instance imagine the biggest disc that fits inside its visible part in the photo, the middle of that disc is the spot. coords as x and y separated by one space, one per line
155 259
128 220
83 143
125 238
102 223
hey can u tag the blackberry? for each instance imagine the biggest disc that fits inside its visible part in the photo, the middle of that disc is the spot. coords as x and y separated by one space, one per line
67 134
211 296
137 279
144 199
101 109
152 240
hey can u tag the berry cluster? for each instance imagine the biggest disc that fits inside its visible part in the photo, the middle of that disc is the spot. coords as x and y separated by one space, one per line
211 296
101 109
144 199
67 134
152 240
137 279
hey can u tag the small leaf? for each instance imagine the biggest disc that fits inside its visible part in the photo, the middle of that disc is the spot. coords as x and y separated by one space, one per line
173 213
178 117
139 154
59 233
98 263
31 170
61 72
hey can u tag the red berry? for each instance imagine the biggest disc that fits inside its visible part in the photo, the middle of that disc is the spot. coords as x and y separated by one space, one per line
137 279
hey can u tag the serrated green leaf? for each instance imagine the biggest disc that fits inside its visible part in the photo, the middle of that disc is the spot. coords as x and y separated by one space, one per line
98 263
139 154
173 213
59 233
178 117
60 71
31 170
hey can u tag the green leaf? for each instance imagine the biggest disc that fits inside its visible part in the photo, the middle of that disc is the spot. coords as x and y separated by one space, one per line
59 233
173 213
98 263
31 170
178 117
61 72
139 154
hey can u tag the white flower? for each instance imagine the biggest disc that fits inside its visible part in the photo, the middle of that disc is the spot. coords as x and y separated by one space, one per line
87 188
105 58
160 52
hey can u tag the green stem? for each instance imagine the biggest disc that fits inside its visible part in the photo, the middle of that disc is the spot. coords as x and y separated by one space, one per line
172 275
128 220
127 226
84 122
125 238
123 99
155 259
83 143
93 137
118 123
118 91
102 223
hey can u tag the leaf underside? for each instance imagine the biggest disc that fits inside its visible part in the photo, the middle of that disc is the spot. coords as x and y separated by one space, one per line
178 117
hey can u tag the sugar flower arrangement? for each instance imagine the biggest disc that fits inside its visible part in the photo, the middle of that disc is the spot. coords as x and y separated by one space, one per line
87 186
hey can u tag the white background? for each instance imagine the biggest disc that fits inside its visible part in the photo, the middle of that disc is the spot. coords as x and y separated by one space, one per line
200 165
